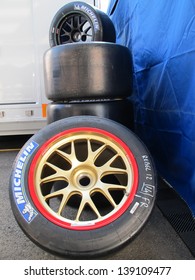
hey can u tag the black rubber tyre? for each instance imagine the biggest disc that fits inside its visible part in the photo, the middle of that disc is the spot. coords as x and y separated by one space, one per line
80 22
88 71
117 110
100 162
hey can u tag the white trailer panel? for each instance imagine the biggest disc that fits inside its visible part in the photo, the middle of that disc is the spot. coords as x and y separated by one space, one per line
24 33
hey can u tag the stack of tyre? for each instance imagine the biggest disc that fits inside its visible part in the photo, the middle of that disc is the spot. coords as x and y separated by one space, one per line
85 184
86 73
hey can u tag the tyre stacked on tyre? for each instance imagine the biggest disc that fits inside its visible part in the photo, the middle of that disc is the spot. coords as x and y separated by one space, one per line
86 72
79 22
85 184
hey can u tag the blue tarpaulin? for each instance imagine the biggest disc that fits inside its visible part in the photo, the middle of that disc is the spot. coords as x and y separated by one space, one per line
161 37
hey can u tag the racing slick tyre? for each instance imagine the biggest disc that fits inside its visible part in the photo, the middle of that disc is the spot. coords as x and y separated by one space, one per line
117 110
100 165
88 71
80 22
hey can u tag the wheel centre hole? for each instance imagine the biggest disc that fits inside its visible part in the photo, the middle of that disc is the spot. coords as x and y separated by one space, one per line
76 36
84 181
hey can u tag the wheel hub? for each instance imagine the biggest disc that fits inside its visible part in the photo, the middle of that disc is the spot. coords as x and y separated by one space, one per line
84 178
76 36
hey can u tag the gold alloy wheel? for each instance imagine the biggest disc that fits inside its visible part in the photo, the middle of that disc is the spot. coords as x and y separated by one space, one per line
83 177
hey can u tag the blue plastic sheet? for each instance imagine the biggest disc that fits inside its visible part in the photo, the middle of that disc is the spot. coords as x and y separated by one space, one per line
161 37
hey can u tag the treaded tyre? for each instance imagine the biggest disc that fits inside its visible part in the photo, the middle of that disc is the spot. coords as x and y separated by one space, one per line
106 186
117 110
80 22
88 71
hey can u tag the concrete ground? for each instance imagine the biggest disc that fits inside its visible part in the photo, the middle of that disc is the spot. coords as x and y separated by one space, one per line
157 241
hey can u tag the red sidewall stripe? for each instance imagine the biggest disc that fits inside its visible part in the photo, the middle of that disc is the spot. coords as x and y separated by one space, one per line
61 223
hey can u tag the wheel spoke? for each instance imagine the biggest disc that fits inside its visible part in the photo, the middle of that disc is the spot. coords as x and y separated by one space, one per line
63 203
89 35
54 194
75 20
107 165
113 170
64 155
93 155
107 169
80 210
86 30
65 33
114 187
104 189
66 193
82 23
71 24
51 178
58 175
68 41
73 156
109 197
84 202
